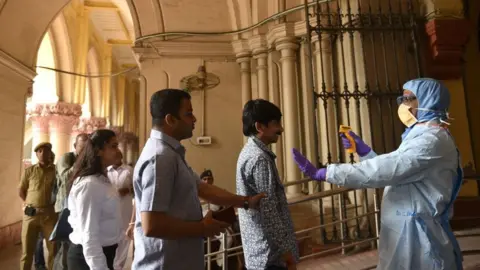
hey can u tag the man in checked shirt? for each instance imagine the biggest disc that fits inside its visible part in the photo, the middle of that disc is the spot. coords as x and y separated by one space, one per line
268 236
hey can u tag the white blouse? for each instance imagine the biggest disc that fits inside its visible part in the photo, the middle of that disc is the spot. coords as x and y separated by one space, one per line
95 218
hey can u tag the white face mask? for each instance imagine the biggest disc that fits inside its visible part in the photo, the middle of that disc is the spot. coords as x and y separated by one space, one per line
407 118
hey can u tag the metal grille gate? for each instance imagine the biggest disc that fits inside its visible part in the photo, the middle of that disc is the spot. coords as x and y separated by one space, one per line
365 51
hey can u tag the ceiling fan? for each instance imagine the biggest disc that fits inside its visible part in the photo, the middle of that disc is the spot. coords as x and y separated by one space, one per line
200 81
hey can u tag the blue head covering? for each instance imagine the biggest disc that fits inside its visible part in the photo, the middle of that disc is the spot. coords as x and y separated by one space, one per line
432 96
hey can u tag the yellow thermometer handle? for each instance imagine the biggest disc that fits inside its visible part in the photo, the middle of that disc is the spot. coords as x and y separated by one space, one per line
353 148
345 129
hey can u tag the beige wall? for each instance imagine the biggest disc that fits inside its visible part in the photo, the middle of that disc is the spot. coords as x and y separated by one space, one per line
461 131
14 82
222 115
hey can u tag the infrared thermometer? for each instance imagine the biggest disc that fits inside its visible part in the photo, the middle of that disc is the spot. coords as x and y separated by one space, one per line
345 129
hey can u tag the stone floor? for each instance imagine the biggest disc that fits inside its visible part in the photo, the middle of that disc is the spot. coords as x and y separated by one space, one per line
9 258
368 260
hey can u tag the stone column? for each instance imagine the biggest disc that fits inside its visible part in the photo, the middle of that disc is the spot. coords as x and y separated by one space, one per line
274 97
308 108
261 56
83 28
326 113
53 122
16 80
130 143
122 145
244 60
287 47
92 123
64 117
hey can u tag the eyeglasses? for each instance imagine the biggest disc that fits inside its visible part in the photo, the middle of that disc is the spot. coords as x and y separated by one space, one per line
405 99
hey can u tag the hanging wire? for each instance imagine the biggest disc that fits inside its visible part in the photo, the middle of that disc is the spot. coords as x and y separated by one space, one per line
88 75
233 32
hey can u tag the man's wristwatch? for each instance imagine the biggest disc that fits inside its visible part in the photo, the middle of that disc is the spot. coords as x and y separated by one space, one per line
246 205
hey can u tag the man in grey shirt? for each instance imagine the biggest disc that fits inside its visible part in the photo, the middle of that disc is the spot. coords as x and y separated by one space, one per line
169 227
268 235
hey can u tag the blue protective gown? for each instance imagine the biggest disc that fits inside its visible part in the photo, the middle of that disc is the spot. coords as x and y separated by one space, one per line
421 179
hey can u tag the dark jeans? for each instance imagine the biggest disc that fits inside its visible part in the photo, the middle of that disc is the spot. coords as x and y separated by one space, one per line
60 262
39 256
76 260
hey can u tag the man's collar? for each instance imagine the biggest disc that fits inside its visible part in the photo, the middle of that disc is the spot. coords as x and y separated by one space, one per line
261 145
112 168
156 134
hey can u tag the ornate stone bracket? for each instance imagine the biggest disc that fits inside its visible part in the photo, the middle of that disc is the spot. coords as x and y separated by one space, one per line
59 108
60 116
446 39
90 124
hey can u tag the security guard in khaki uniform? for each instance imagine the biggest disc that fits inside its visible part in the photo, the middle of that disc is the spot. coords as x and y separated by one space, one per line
39 214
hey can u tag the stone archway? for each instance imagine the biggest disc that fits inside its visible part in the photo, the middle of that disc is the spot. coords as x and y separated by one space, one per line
27 23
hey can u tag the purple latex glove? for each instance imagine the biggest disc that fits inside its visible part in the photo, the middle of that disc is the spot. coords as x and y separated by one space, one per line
362 148
307 167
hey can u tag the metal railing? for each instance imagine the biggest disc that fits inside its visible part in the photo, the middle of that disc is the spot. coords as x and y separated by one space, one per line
221 257
312 231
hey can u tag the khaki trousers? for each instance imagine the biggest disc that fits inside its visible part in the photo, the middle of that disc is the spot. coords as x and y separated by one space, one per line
31 226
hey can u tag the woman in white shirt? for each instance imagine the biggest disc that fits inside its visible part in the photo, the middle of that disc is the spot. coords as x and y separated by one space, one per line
94 205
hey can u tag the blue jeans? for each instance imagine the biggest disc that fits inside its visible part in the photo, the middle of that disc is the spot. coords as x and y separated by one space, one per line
39 256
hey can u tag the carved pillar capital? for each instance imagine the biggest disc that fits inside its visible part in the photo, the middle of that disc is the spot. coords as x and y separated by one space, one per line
286 43
244 59
60 116
90 124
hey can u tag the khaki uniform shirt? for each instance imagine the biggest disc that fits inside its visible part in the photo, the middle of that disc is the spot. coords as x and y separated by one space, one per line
38 183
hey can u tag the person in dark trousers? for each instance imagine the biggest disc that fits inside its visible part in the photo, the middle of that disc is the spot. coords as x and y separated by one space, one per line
64 172
94 205
39 255
169 227
268 236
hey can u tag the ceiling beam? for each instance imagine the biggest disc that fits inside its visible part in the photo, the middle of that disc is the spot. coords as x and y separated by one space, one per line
120 42
123 24
99 5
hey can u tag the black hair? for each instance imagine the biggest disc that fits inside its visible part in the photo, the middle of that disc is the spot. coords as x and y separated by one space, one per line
164 102
88 161
261 111
206 173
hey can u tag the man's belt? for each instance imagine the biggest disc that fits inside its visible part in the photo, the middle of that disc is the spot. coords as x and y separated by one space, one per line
37 210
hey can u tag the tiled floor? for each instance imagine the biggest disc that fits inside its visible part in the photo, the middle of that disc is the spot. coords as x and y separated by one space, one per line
9 258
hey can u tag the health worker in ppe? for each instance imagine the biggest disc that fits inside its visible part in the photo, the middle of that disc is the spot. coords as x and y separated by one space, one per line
421 179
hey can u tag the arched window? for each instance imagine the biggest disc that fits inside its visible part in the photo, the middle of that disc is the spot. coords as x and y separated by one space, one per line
45 83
